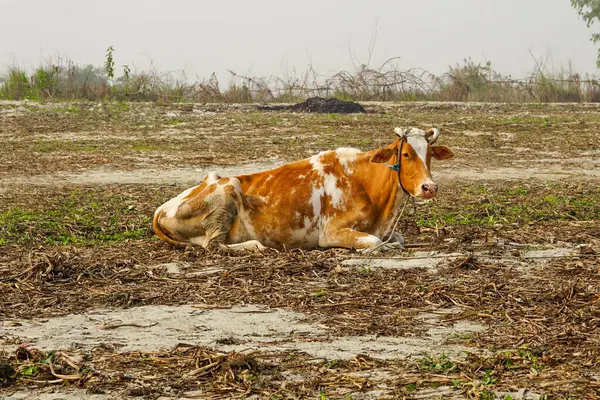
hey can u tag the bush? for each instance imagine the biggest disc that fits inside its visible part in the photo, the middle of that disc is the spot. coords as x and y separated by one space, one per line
464 82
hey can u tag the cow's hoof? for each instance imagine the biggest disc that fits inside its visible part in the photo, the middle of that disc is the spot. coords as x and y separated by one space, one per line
397 238
382 248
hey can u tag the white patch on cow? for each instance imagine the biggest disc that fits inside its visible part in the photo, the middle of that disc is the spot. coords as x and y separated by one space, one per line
420 146
237 185
212 177
331 188
349 152
316 163
329 180
170 207
219 191
308 235
315 201
263 199
323 231
307 221
347 155
243 215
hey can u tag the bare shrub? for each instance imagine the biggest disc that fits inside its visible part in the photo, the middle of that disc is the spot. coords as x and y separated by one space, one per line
468 81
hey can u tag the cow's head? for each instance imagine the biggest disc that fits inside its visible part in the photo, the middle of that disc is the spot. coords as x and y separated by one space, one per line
415 159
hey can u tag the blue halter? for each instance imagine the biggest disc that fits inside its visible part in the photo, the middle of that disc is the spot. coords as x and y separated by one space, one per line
395 167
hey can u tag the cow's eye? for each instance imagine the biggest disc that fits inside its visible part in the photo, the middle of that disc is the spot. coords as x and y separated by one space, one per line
405 155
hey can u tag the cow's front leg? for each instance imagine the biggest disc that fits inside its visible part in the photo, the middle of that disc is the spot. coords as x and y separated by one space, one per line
250 245
361 241
350 239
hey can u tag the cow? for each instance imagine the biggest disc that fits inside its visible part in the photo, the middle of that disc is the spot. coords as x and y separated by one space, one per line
340 198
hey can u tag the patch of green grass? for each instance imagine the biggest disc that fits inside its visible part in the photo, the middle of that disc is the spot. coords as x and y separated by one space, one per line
461 336
535 120
55 145
488 378
480 206
532 359
517 191
366 270
142 147
437 363
81 218
174 121
117 109
106 146
486 395
321 293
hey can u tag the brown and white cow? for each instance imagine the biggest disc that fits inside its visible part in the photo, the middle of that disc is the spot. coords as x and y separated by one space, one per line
340 198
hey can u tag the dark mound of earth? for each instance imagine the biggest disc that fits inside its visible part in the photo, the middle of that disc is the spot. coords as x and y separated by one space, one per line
321 105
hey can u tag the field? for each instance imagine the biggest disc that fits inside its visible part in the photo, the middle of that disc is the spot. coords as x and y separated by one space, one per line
496 295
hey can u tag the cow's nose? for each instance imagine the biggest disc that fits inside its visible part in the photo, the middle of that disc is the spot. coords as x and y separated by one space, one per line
429 188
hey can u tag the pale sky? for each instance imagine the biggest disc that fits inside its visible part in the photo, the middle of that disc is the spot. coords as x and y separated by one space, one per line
266 37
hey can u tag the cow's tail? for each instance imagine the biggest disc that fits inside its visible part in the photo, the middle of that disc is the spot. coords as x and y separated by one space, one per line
162 234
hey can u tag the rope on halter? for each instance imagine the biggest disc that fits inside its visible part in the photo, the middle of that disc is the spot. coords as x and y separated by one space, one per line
397 167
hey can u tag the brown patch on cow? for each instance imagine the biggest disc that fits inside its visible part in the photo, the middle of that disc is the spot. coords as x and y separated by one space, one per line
382 155
193 203
329 158
286 191
201 188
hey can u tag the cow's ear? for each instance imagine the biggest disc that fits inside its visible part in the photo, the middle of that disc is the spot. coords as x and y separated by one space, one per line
382 155
442 152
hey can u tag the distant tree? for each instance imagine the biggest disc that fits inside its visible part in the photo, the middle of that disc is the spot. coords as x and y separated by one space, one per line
589 10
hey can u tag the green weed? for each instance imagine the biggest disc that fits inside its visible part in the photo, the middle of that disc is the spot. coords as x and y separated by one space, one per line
437 363
30 370
411 387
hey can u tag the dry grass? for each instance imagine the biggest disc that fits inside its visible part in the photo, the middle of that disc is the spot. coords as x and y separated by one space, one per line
73 248
468 81
540 333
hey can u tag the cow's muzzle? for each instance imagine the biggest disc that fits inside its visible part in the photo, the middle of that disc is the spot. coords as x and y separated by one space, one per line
429 190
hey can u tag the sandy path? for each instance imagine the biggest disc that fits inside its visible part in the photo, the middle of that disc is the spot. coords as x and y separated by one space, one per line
193 175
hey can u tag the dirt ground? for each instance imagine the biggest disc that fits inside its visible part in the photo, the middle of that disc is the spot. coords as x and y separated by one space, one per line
496 295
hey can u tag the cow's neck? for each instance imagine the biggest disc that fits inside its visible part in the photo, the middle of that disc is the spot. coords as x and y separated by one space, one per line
382 185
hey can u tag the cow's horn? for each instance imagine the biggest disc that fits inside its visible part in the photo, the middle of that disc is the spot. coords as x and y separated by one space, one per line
401 132
432 135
